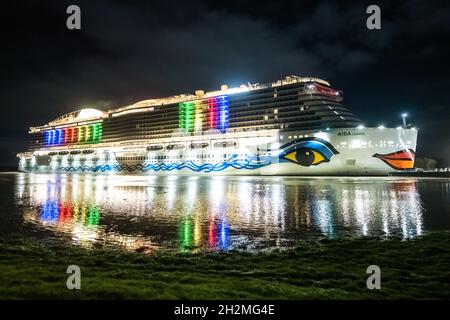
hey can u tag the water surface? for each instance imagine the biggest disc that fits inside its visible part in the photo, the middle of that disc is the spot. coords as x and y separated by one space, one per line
151 213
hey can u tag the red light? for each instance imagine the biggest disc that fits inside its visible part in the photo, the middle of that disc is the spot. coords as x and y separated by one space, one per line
212 115
212 237
74 135
65 213
67 135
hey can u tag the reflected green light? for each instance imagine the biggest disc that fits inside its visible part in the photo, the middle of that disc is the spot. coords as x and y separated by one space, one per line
219 213
93 216
186 234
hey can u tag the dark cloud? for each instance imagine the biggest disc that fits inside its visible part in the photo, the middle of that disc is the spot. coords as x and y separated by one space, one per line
126 52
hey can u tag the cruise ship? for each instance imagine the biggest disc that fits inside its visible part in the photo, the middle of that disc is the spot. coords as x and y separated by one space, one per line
294 126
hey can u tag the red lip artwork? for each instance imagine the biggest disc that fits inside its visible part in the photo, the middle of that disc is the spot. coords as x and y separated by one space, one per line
399 160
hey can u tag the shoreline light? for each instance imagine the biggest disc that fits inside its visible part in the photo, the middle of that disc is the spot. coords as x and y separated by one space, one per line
404 115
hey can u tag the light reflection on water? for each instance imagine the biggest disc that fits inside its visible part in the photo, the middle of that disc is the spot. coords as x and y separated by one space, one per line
220 213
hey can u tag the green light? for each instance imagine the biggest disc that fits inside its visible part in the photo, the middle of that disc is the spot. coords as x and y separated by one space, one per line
186 234
93 218
100 131
96 132
186 116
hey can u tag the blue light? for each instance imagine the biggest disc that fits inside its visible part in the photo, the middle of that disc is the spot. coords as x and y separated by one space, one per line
224 235
52 137
60 136
223 113
50 212
47 137
55 137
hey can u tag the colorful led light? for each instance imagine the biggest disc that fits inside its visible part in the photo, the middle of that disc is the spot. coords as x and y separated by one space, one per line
96 132
198 122
55 137
185 233
81 131
186 116
224 239
100 131
60 136
191 117
218 115
67 135
93 218
223 113
74 138
212 236
49 212
53 212
65 213
88 134
47 137
212 113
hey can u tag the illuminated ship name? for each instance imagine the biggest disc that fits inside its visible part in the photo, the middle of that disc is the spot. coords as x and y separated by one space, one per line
349 133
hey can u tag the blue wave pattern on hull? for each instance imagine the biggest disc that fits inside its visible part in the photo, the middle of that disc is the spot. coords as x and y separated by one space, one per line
249 164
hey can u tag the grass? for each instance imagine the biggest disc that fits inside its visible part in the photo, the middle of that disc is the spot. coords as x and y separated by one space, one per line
329 269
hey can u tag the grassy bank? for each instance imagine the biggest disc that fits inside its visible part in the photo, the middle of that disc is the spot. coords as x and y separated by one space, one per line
326 269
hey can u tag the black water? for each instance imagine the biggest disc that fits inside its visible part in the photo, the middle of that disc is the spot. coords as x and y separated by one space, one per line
217 213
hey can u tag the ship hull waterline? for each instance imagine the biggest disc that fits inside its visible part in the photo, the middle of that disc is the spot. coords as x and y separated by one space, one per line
336 152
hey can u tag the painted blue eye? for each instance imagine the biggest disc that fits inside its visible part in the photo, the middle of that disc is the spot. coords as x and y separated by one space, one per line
308 151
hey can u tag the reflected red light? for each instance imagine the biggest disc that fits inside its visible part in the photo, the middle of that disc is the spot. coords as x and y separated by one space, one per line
212 235
65 213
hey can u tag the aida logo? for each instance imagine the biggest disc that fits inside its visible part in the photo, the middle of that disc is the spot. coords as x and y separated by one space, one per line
349 133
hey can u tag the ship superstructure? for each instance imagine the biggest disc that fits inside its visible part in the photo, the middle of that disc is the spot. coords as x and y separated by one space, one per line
294 126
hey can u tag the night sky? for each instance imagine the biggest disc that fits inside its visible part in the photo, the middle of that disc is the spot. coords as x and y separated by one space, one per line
129 52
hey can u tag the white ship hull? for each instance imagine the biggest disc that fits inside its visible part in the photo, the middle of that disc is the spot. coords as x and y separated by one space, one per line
352 151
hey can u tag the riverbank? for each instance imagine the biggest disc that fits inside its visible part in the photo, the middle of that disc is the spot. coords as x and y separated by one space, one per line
328 269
